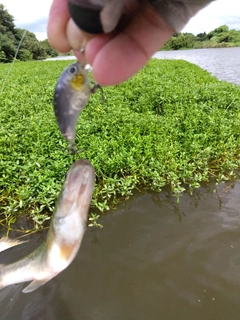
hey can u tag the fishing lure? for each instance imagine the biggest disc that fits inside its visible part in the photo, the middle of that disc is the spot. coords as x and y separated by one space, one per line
71 94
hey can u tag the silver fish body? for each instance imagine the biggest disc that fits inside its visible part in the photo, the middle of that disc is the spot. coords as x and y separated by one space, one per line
64 236
71 94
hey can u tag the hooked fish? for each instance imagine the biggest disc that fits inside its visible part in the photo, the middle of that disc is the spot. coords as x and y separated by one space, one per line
64 236
71 94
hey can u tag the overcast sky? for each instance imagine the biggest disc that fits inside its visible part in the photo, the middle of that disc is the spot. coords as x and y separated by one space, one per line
33 15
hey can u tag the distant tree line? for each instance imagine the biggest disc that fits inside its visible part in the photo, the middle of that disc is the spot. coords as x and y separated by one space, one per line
218 38
33 49
10 37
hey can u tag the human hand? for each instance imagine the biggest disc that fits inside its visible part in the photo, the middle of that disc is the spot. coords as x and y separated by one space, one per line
118 55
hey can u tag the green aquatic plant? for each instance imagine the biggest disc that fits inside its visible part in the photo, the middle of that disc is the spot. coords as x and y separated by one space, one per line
171 124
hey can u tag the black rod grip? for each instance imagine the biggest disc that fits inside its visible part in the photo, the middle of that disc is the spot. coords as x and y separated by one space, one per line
86 19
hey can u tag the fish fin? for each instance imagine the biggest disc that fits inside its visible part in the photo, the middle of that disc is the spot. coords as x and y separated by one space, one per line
6 243
34 285
1 267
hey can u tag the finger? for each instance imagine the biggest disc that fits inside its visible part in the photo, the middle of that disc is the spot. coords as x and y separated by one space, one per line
57 26
76 37
116 59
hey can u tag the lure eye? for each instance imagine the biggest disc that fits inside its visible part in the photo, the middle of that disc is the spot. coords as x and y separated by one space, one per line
73 70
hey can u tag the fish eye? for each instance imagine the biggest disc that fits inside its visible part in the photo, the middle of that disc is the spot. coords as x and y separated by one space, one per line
73 69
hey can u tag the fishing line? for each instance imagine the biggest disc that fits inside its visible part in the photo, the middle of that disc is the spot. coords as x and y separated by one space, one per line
72 149
16 53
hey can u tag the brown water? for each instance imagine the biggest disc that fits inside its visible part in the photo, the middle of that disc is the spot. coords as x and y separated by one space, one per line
152 260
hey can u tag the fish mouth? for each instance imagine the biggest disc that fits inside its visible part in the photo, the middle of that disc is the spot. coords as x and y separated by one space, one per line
79 182
81 170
